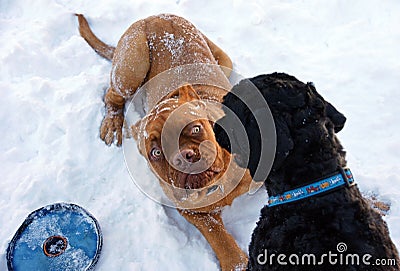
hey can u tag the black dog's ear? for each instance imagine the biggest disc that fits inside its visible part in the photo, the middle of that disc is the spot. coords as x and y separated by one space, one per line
337 118
221 135
283 139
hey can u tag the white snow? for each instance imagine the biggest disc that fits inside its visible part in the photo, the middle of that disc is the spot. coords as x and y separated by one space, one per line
52 85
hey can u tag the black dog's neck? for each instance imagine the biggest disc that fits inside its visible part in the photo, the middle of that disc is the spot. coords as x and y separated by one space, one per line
297 173
317 152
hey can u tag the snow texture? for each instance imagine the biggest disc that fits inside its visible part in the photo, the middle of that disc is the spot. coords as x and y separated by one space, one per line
52 84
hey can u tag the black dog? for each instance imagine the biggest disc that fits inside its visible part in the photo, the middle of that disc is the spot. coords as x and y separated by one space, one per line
330 230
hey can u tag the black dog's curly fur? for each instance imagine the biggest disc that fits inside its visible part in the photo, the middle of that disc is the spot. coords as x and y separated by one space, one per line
307 149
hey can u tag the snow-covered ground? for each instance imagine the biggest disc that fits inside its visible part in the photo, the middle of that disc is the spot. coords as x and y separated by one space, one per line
52 83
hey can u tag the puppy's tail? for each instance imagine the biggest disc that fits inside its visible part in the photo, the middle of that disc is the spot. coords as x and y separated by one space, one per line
100 47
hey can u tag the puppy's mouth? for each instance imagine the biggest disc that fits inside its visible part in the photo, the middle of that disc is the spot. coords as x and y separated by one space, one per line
195 181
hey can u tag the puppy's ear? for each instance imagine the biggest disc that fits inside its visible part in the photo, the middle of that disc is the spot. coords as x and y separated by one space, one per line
284 141
135 130
135 133
187 93
337 118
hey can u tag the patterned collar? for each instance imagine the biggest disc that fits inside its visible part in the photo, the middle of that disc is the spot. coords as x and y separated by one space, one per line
343 177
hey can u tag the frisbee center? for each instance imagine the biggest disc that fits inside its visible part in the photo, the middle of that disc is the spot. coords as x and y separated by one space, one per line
55 246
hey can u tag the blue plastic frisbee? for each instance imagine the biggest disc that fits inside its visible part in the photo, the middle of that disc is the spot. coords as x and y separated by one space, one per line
57 237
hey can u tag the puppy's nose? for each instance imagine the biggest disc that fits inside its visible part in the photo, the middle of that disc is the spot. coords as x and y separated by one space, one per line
184 156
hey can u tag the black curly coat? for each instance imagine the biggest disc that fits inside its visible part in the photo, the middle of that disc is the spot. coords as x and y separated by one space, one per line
307 149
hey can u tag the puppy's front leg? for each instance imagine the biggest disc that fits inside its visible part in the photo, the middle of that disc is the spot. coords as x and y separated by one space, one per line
230 256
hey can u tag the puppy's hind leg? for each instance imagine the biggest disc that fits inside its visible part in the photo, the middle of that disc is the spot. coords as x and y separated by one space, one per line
220 56
131 63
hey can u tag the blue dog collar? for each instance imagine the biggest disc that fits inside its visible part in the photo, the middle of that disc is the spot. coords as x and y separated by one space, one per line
344 177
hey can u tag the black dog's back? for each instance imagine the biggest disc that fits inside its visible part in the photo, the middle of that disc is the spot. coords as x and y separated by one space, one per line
307 149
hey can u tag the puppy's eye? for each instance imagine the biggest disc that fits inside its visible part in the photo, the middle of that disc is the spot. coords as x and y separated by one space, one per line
196 129
155 153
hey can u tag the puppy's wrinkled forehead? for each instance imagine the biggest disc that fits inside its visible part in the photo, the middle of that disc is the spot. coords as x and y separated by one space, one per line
171 115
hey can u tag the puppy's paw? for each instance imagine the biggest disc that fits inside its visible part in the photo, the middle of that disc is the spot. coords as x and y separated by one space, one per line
111 128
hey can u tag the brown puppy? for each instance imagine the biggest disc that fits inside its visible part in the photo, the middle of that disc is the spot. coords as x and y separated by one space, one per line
148 48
